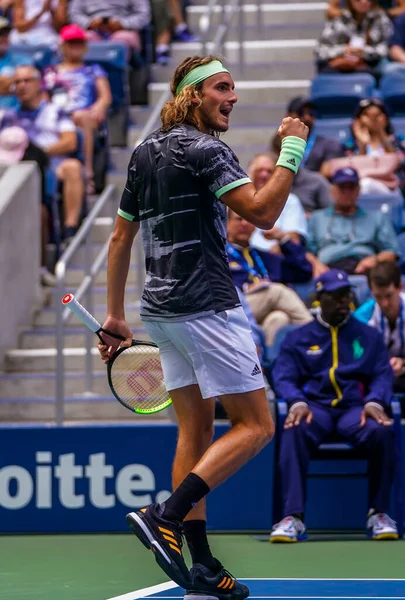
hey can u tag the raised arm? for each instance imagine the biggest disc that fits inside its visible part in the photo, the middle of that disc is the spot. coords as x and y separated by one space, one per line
262 208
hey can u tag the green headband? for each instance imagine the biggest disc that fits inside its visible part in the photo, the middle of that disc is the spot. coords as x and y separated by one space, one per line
200 73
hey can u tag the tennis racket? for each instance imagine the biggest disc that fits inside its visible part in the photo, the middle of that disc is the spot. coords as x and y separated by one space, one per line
134 374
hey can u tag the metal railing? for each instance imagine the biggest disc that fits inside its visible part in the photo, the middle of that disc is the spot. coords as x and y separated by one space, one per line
83 237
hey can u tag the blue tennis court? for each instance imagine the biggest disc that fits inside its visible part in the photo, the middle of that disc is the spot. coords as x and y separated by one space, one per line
290 589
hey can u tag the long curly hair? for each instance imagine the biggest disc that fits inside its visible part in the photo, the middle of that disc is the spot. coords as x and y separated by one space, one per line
180 109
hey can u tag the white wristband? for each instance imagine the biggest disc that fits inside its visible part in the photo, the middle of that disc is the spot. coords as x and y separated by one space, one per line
296 404
374 404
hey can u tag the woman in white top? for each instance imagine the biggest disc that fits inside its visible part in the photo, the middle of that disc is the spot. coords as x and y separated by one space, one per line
36 22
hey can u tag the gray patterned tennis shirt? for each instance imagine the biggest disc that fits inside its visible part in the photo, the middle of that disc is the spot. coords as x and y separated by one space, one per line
175 181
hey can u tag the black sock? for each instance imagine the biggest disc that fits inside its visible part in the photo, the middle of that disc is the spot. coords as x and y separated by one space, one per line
189 492
196 536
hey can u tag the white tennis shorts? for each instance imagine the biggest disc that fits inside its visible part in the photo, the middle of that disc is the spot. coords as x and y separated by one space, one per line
216 352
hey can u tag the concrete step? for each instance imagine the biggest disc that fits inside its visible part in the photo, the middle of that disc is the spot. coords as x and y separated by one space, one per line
38 385
74 277
254 51
253 92
73 338
47 317
271 31
275 13
140 114
34 360
99 296
280 69
102 229
97 408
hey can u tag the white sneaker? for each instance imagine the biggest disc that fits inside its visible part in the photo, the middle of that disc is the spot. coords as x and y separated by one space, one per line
381 527
290 529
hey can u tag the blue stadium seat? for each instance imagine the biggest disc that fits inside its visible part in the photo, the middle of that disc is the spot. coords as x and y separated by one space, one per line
401 242
112 56
336 96
392 205
42 56
398 124
337 129
392 89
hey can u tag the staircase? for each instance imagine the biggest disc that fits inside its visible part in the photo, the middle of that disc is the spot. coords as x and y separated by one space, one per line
279 66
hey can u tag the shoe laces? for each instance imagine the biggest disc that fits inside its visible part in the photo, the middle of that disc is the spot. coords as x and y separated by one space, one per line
383 519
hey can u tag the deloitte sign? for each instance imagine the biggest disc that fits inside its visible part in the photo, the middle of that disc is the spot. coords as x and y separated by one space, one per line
134 483
85 479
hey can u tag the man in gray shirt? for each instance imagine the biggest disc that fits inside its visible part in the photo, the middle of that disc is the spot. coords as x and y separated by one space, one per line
312 189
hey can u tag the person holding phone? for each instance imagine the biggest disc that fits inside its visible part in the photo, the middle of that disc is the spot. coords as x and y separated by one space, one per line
113 20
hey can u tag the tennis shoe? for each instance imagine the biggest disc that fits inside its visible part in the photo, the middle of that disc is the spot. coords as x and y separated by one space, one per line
164 538
381 527
206 585
290 529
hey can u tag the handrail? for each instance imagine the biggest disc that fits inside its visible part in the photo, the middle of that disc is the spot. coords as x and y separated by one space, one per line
91 270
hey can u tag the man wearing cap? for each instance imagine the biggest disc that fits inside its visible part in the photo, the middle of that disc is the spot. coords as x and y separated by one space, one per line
347 237
319 148
8 63
336 377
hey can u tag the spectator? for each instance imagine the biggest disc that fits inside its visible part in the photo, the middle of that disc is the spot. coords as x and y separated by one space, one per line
355 41
257 331
6 8
394 8
8 62
16 147
335 375
397 47
81 90
346 237
115 20
256 273
50 129
386 312
372 134
163 13
38 22
292 220
319 148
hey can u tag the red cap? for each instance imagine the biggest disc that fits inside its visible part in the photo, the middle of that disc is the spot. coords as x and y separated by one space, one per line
72 32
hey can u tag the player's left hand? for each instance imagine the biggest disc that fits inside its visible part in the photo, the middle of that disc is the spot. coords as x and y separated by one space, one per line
372 412
111 344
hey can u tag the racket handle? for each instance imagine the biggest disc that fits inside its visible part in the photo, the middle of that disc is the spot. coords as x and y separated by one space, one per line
78 309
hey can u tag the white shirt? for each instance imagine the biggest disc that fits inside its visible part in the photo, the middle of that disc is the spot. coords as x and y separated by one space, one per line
42 32
291 219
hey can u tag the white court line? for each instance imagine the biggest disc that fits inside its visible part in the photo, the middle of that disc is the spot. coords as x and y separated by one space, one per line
169 585
154 589
282 597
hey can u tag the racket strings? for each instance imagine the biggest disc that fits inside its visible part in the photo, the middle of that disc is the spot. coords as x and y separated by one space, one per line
137 378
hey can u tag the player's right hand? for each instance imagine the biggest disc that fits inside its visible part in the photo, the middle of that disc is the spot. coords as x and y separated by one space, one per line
290 126
111 344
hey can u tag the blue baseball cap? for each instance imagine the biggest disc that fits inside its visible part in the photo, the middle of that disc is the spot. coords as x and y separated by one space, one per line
346 175
332 280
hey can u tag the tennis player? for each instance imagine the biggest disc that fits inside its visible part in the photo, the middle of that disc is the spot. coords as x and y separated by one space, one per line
180 180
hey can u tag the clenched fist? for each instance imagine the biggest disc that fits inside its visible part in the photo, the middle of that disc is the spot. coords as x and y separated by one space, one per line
290 126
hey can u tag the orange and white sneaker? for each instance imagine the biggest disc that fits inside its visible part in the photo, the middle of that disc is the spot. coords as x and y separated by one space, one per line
381 527
206 585
164 538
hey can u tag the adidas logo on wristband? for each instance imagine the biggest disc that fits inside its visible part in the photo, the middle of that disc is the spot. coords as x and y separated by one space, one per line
291 161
